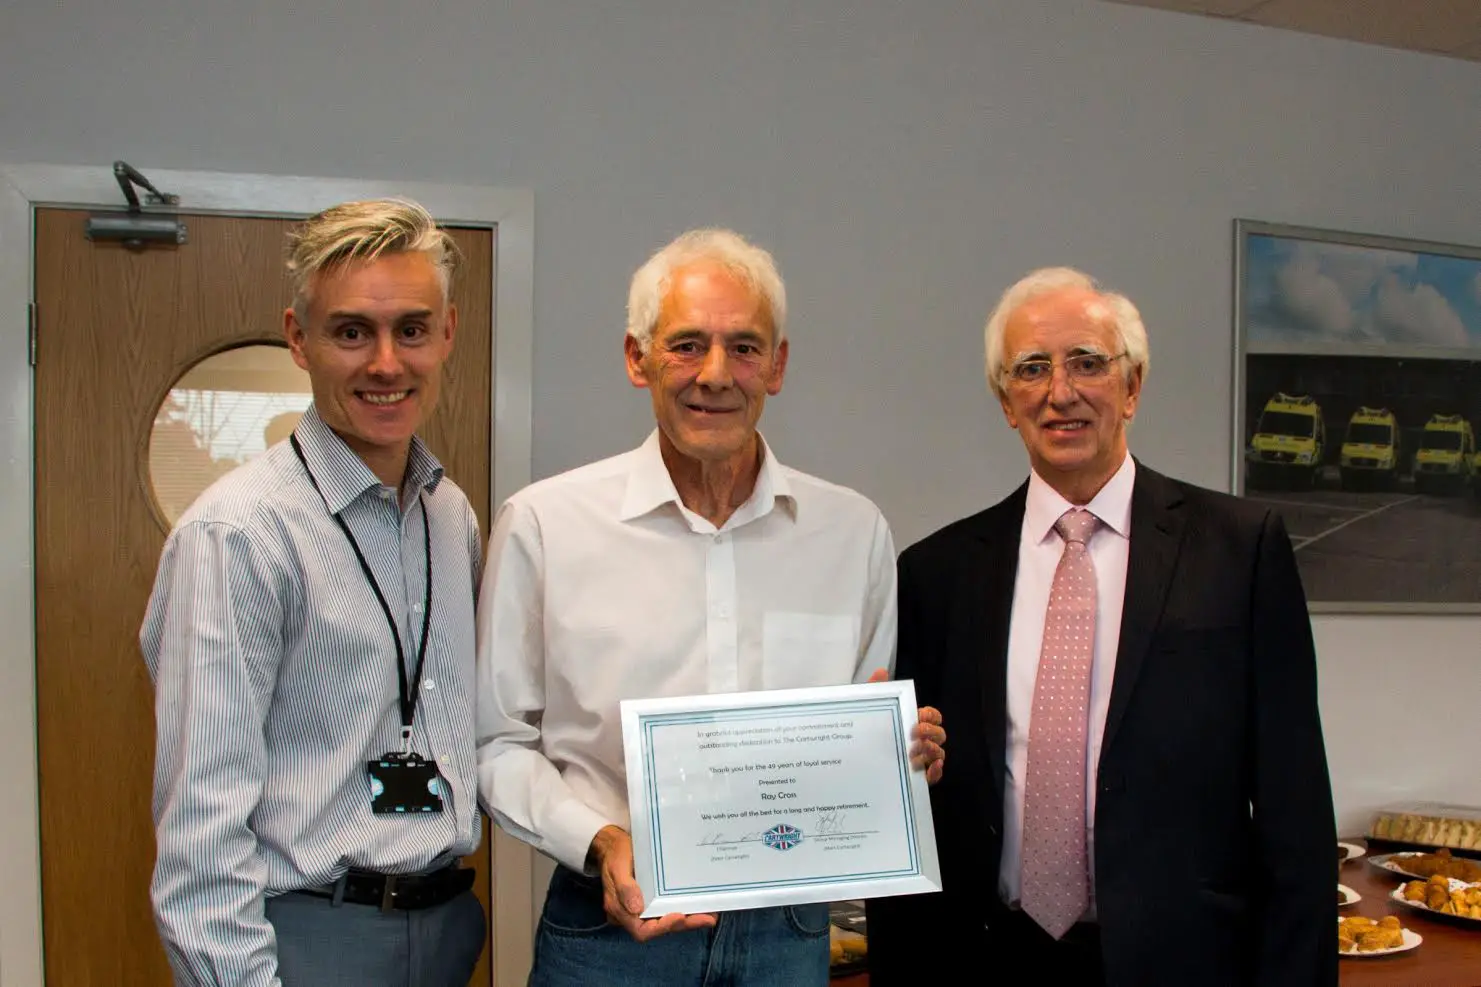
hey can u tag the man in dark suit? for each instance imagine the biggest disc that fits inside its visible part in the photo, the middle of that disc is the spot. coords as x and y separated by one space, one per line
1138 792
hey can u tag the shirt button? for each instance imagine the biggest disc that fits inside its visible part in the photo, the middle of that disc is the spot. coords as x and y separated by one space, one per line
416 608
445 759
429 684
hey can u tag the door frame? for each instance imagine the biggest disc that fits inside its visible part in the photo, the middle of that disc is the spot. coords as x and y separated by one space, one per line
27 187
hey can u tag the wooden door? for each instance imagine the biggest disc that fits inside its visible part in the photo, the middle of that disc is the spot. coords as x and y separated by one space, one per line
115 330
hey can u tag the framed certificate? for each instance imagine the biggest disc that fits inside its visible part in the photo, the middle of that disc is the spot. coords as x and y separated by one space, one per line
777 798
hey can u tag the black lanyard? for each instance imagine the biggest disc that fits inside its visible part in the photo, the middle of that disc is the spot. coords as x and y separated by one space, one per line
408 702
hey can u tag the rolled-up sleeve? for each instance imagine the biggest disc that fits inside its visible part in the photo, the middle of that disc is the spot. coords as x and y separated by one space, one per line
212 639
521 789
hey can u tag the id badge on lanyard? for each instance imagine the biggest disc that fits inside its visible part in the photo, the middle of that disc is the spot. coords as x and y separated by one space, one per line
405 784
401 782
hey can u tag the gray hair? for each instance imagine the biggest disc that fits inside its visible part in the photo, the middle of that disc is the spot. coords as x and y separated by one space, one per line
363 231
1123 316
751 264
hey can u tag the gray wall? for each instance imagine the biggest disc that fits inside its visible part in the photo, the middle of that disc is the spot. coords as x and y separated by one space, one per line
904 162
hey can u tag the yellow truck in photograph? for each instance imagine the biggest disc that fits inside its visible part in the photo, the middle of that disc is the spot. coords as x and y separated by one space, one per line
1370 450
1288 445
1445 461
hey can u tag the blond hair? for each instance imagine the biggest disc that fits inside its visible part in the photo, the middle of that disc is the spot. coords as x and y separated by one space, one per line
364 231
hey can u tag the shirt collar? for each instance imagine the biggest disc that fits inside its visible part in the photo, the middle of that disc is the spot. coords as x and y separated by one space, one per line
1112 504
342 476
650 487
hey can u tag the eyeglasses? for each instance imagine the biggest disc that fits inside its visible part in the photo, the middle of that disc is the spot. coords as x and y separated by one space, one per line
1082 368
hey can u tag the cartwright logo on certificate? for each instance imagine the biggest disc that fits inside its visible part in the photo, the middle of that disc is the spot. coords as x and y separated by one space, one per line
777 798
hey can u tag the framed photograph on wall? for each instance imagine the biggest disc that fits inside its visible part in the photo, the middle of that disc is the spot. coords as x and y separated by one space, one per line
1357 392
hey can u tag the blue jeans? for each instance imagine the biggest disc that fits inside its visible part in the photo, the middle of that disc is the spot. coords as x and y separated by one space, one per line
324 945
763 947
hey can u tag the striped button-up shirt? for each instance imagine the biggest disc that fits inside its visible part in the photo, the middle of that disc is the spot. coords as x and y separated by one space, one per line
275 681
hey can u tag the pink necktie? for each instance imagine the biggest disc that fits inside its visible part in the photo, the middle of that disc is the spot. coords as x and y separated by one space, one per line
1055 889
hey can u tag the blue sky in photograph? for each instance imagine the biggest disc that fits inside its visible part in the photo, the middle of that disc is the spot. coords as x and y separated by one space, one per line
1310 292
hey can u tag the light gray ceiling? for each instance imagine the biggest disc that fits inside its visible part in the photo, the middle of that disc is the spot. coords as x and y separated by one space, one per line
1443 27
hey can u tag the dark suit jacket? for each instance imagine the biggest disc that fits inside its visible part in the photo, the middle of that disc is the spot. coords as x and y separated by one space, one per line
1214 832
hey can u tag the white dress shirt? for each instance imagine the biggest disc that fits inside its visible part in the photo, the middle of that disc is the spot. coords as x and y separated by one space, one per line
1039 549
601 586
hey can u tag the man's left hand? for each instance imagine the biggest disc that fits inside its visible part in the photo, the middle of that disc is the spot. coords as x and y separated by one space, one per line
928 736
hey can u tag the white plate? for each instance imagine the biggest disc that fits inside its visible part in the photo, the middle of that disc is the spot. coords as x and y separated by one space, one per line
1349 896
1411 939
1397 894
1394 863
1353 851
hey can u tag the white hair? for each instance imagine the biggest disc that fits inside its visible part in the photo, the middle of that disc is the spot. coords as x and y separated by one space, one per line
1121 313
752 265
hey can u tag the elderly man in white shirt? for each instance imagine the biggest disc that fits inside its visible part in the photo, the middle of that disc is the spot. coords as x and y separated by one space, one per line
696 563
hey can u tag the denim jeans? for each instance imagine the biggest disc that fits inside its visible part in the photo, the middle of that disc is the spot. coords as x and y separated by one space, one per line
763 947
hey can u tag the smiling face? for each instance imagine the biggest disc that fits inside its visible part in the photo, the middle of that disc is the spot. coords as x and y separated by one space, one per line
710 366
1074 430
374 338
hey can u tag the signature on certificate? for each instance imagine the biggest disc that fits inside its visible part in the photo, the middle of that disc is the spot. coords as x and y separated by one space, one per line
831 822
717 838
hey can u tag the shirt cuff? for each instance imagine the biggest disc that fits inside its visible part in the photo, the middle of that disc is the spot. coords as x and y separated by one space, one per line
572 828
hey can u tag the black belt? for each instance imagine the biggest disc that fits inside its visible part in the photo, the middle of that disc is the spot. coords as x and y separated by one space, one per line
407 892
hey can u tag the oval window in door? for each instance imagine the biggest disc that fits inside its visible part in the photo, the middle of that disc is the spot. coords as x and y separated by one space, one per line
221 413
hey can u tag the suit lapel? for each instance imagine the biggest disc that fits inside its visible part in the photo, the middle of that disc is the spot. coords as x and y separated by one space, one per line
1156 537
989 586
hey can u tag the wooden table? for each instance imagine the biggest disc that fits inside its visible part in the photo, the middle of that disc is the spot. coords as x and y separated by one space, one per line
1450 955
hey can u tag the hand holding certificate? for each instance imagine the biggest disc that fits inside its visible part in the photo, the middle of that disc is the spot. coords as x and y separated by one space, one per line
782 797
